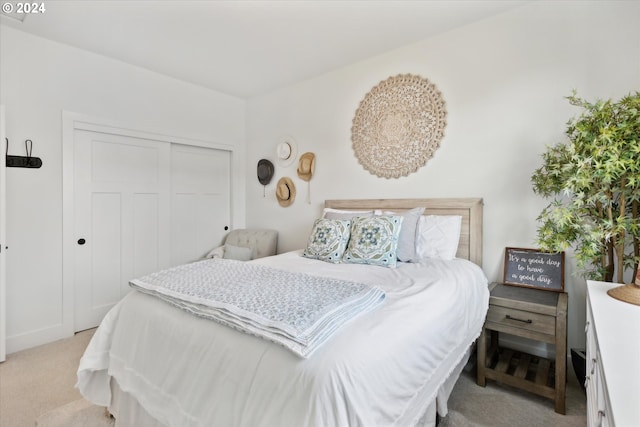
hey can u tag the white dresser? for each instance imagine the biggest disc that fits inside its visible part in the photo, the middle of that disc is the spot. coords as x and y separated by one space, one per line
613 359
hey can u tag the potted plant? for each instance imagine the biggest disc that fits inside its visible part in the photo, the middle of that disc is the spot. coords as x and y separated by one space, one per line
594 180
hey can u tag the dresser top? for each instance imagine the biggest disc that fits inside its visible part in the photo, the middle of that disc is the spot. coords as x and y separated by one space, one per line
617 329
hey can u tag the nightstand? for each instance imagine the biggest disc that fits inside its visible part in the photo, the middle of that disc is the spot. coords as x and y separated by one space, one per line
534 314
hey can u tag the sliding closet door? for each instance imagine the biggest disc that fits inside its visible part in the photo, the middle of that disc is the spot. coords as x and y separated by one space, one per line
200 200
122 218
140 205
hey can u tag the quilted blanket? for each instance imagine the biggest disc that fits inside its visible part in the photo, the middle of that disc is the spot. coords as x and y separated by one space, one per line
297 310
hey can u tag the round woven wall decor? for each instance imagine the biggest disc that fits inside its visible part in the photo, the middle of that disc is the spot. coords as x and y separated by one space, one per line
398 126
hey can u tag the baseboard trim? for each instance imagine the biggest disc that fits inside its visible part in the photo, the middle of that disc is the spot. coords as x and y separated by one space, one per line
38 337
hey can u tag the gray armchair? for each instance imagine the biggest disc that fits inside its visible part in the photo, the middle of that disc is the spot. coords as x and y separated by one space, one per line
262 242
245 244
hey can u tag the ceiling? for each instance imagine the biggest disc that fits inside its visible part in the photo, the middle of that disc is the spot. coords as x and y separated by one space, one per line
246 48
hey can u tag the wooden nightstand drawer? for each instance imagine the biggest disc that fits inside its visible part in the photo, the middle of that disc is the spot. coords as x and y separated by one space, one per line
521 319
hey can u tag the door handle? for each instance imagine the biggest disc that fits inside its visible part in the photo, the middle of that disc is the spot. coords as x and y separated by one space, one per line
81 242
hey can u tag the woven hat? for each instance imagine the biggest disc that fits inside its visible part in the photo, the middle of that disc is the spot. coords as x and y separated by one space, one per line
285 192
286 151
265 171
306 166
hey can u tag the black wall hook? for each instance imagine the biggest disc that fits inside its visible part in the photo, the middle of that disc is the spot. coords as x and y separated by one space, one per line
22 161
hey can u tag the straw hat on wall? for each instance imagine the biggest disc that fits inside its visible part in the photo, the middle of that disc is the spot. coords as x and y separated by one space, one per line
285 192
306 166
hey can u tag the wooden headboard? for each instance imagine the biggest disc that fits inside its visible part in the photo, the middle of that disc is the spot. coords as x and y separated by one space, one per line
470 246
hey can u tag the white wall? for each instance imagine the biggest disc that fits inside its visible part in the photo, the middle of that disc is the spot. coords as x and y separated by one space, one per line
38 80
503 80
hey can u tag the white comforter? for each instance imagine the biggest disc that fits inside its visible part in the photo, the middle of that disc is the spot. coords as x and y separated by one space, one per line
382 369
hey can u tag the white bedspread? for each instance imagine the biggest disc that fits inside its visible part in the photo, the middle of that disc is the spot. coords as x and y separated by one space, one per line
381 369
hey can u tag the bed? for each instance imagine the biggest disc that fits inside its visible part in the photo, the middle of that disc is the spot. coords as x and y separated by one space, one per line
153 364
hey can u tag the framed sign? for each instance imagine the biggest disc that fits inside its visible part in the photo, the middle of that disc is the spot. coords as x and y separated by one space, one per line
534 268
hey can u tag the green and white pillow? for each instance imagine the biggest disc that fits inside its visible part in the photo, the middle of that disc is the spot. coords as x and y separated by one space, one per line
374 240
328 240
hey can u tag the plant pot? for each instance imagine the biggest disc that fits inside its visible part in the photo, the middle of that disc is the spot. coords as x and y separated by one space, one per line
579 362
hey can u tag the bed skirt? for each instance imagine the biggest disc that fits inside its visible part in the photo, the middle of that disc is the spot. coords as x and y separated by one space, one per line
127 411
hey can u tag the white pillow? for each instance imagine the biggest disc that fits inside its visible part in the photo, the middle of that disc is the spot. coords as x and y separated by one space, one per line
438 236
330 213
238 253
408 233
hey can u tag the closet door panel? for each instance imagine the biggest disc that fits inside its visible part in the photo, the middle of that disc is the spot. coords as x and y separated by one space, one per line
146 233
200 200
121 218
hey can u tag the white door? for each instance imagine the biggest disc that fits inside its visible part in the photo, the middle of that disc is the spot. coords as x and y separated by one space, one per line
200 201
122 210
3 247
140 205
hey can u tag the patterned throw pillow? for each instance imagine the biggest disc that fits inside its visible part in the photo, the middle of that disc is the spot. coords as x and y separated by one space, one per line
374 240
328 240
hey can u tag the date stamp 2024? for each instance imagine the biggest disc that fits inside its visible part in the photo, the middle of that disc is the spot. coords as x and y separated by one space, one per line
21 8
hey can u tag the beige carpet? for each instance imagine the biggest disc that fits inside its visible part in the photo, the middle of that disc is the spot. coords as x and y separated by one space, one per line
40 379
36 386
497 405
78 413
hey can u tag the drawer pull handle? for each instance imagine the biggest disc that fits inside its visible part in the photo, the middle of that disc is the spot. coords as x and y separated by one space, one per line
519 320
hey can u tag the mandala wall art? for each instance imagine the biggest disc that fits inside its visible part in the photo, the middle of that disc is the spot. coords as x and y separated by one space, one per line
398 126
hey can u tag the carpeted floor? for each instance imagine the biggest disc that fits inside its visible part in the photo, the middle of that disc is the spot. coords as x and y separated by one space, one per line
497 405
79 413
37 385
40 379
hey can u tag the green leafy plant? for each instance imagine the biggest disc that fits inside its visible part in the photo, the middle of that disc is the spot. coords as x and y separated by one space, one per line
594 180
